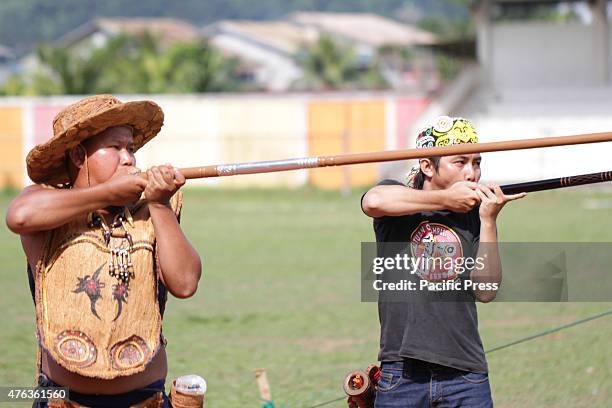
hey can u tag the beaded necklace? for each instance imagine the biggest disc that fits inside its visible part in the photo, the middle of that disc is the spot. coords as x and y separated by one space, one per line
120 263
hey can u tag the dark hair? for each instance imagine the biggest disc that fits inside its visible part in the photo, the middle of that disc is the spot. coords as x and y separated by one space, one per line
70 167
420 177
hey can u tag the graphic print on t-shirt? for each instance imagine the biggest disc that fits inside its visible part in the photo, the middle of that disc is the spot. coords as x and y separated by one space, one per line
439 249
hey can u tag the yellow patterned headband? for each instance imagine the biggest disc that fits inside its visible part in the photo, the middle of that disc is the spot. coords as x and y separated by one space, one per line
445 131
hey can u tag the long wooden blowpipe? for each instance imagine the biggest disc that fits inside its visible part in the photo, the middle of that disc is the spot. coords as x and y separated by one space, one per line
374 157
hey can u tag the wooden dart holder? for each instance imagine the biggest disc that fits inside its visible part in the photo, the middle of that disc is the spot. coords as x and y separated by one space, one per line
361 386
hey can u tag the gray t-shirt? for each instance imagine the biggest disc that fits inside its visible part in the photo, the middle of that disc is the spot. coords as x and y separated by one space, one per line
443 331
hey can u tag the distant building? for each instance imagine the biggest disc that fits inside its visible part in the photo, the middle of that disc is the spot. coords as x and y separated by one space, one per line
97 32
271 46
268 48
6 54
365 31
7 58
520 53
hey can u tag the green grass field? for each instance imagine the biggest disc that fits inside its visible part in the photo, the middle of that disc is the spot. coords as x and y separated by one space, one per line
280 290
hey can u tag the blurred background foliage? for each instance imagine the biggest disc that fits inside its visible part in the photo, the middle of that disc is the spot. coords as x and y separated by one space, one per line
129 64
24 23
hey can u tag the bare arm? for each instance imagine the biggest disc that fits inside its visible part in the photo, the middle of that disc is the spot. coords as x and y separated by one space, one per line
40 208
179 262
396 200
491 272
493 200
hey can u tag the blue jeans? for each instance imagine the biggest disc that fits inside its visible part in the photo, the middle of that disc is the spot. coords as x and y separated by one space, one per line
418 384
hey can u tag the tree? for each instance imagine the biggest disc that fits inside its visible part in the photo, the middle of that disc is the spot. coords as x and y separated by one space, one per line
131 64
65 72
198 67
181 68
134 64
328 64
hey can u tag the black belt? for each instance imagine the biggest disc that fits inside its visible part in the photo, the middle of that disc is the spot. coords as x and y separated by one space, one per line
102 400
411 366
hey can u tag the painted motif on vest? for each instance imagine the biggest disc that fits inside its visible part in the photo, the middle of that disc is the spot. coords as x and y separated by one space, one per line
76 347
120 294
92 287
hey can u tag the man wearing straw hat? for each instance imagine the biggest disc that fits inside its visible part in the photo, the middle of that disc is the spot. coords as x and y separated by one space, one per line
103 247
431 353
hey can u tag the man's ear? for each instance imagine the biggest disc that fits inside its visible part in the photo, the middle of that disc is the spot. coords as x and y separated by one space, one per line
427 167
77 155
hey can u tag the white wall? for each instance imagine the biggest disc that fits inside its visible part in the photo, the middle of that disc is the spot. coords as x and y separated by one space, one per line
543 113
528 54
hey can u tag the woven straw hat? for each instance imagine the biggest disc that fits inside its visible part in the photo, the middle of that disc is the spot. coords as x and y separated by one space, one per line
83 119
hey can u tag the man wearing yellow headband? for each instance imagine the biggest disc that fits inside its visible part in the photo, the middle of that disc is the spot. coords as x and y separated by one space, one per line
431 353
